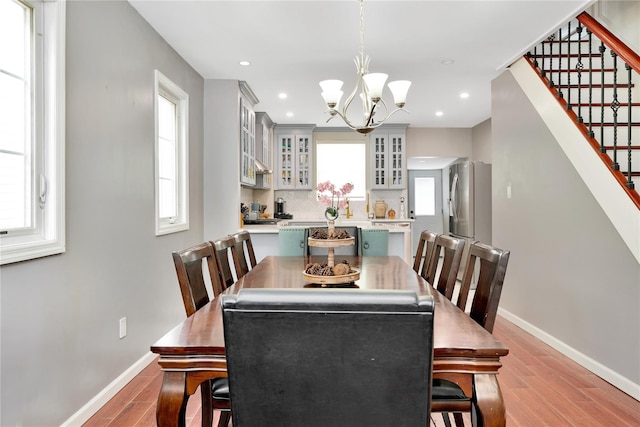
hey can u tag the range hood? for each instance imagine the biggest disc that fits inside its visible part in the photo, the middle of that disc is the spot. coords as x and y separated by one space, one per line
261 168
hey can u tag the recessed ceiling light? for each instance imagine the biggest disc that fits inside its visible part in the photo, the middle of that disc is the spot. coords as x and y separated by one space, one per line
439 113
447 61
289 114
464 95
282 95
245 63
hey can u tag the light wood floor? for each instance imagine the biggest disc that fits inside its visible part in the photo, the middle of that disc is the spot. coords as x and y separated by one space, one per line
541 387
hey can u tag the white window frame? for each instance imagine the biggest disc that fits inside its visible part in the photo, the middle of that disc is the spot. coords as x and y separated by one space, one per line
47 236
166 88
424 195
341 170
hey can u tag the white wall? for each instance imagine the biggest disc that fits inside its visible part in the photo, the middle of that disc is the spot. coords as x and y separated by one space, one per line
571 278
622 18
59 314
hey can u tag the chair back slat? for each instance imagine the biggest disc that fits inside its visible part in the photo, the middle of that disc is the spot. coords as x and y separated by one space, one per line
444 277
224 258
493 266
424 253
241 250
190 267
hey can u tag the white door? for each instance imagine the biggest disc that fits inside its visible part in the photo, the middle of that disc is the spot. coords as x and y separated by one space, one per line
425 203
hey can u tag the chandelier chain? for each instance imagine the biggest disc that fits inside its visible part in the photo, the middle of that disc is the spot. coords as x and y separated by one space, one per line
362 29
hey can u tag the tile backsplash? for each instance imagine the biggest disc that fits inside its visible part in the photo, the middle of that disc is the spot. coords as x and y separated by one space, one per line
303 204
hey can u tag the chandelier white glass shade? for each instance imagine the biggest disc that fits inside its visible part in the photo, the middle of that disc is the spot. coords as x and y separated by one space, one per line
370 87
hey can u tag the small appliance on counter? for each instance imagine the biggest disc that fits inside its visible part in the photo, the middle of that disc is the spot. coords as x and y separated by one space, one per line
281 209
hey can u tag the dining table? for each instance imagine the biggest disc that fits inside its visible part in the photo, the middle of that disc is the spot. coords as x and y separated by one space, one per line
464 352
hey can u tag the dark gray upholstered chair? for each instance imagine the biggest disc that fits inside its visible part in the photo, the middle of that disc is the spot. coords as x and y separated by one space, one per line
374 241
292 241
190 268
334 356
447 396
342 250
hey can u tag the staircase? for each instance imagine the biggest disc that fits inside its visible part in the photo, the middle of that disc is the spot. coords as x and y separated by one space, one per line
596 79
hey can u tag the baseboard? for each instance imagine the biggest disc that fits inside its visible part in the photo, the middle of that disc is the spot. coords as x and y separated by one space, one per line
607 374
88 410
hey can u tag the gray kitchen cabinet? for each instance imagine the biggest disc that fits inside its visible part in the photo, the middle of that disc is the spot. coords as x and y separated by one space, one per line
247 135
388 158
294 157
264 149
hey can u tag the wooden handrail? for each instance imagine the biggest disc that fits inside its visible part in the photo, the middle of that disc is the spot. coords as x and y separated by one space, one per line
627 54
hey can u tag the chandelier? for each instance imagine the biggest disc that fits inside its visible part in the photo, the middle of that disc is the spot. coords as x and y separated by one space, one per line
369 86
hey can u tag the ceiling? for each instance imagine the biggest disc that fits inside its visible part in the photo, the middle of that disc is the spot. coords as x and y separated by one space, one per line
292 45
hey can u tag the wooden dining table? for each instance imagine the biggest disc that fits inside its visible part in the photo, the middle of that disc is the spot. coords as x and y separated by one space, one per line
464 352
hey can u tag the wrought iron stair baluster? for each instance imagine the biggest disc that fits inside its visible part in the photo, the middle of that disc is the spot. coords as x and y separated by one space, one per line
629 86
579 68
615 106
602 50
591 134
560 95
569 66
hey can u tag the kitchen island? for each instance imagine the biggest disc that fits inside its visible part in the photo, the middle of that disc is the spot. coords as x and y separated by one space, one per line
265 236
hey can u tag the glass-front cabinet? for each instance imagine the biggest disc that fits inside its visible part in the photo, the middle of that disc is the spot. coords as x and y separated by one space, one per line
264 147
388 160
294 153
247 135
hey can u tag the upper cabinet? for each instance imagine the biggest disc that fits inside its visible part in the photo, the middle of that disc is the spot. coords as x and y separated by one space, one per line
294 157
388 158
264 147
247 135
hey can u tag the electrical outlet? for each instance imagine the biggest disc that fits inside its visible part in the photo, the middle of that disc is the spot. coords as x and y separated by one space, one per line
123 327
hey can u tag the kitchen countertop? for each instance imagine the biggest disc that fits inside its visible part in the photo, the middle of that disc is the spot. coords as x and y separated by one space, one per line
394 225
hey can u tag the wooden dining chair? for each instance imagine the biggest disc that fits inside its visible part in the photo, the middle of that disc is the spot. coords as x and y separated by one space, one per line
374 241
244 258
334 355
447 396
424 252
224 259
191 265
443 276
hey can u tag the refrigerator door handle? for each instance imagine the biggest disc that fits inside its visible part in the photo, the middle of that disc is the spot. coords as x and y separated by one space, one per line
454 191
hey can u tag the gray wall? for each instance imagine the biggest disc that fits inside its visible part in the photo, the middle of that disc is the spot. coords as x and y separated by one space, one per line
482 143
570 274
59 315
221 158
439 142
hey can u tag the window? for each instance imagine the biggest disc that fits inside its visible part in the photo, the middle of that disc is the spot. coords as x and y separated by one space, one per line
425 195
341 162
32 108
171 164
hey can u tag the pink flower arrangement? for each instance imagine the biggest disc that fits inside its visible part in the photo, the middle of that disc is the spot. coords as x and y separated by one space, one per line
328 194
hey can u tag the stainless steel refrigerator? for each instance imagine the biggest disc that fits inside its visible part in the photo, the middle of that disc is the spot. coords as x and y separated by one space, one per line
470 205
470 201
